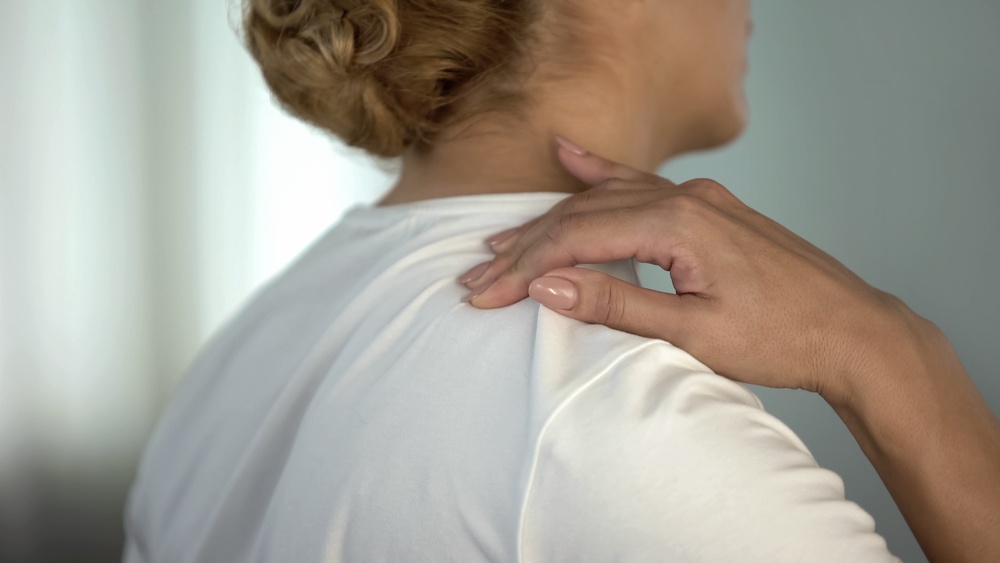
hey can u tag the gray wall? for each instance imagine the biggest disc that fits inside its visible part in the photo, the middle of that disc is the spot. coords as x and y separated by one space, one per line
875 134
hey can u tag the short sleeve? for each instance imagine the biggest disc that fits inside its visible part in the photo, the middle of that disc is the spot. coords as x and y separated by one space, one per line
657 460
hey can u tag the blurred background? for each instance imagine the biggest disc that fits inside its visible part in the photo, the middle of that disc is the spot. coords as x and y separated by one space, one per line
148 185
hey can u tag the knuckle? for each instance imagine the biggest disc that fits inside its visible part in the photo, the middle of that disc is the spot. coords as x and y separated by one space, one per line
703 183
577 202
613 183
551 242
602 186
683 204
609 305
709 190
617 184
561 227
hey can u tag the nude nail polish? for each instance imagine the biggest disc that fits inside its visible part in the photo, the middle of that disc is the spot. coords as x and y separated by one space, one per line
571 146
476 293
501 236
553 292
475 273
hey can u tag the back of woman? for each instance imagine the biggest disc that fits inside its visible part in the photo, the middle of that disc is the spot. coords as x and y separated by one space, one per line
357 409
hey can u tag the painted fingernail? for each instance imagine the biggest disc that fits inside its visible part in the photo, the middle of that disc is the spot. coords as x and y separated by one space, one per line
571 146
553 292
475 273
501 236
475 293
484 281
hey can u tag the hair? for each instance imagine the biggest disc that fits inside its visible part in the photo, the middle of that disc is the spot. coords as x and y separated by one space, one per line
386 74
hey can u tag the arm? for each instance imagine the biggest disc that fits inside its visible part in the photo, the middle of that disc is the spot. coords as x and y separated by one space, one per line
930 435
758 304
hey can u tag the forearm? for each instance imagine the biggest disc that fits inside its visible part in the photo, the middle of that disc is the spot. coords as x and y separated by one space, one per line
932 438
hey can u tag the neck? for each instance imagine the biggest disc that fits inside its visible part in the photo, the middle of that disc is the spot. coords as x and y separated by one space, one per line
491 155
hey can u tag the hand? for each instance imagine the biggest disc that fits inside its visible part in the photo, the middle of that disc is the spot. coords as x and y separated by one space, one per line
758 304
754 301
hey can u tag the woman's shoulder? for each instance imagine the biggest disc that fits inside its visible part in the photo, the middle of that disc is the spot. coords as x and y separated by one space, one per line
657 455
577 355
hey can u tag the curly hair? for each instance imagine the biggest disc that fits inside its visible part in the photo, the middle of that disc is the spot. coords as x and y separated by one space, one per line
386 74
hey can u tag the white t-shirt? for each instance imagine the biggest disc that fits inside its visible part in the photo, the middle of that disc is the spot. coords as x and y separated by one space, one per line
357 410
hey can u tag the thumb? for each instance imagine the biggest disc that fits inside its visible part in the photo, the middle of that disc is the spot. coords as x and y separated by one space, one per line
592 169
595 297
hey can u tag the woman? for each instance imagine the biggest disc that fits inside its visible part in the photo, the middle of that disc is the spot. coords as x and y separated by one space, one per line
358 410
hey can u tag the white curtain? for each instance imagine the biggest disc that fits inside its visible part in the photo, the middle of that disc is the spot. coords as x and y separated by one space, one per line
147 185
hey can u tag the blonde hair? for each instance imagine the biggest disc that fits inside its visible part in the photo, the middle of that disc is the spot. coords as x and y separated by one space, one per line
386 74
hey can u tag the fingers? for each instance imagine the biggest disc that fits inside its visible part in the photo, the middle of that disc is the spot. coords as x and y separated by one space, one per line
598 298
599 225
592 169
507 242
523 236
577 238
596 171
672 231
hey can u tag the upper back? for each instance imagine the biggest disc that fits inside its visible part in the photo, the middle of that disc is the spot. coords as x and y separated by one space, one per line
357 410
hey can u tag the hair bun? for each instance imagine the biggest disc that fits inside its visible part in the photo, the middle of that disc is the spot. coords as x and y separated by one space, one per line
380 74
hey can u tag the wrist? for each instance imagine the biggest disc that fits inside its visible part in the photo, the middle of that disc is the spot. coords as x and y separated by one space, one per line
920 420
891 349
900 382
906 388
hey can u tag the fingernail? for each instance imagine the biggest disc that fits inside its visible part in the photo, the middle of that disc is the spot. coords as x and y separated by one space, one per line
501 236
484 281
571 146
475 273
553 292
475 293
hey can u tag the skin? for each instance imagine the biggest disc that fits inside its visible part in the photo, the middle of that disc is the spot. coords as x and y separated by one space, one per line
628 104
761 305
664 77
